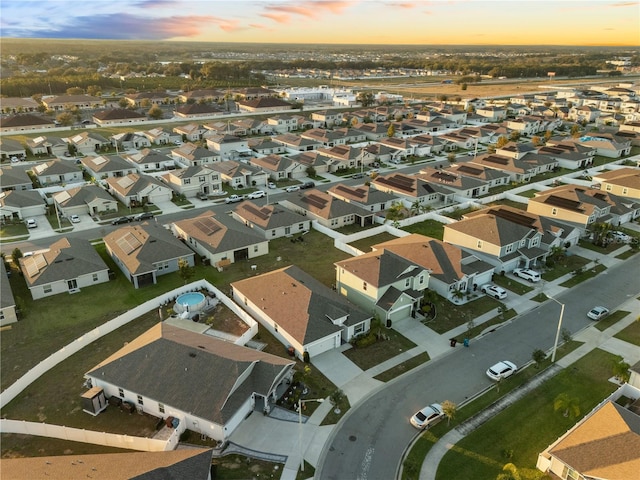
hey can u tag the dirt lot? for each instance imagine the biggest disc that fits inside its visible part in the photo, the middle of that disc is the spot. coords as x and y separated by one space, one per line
225 320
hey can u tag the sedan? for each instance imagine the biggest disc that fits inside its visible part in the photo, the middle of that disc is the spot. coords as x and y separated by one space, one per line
292 188
597 313
32 223
427 416
74 219
120 220
501 370
494 291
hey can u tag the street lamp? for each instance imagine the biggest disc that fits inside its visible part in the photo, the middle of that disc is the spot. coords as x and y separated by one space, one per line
555 344
300 403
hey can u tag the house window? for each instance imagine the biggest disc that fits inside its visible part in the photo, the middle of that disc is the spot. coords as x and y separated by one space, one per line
186 181
508 248
625 191
420 279
609 188
479 244
47 289
535 241
358 329
301 226
163 266
201 179
140 401
161 408
554 211
121 393
275 327
364 285
407 282
273 233
255 249
95 277
287 230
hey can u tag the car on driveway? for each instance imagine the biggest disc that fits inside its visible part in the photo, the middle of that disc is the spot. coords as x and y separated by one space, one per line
257 194
143 216
619 237
121 220
31 223
527 274
74 219
501 370
598 313
427 416
234 199
494 291
292 188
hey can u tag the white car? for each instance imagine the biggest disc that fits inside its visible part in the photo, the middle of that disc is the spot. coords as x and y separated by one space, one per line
494 291
427 416
619 237
597 313
257 194
527 274
501 370
271 185
292 188
74 219
31 223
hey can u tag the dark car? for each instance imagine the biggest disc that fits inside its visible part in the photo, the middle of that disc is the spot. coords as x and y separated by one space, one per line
143 216
120 220
307 185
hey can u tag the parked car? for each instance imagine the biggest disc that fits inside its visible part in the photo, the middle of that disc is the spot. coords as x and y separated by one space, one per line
271 185
427 416
620 237
598 313
15 160
233 199
74 219
494 291
357 175
202 196
292 188
501 370
306 185
121 220
31 223
527 274
257 194
143 216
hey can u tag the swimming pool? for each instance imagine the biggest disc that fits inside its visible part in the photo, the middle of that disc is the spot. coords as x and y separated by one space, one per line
190 302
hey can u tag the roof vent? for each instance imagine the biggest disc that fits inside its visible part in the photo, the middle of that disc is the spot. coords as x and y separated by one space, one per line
192 354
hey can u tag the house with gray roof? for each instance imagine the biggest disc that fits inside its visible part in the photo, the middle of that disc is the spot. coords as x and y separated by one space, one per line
300 311
21 204
240 174
136 189
90 199
118 116
413 189
271 221
8 313
145 251
347 156
211 385
265 146
363 196
316 160
107 166
228 147
66 266
162 136
25 122
130 141
192 132
11 148
149 160
14 178
192 155
220 239
57 171
197 110
458 184
88 143
296 143
279 167
61 102
492 177
191 181
47 145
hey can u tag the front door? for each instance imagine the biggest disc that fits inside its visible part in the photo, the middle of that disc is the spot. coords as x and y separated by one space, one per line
72 284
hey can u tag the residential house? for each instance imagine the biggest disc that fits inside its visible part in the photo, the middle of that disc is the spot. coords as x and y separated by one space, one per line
21 204
383 283
136 189
56 172
252 93
271 221
381 153
454 141
519 169
228 147
493 177
145 251
88 143
202 95
62 102
347 156
372 131
149 160
295 143
363 196
624 182
192 155
162 136
220 239
328 138
192 132
66 266
47 145
464 186
130 141
191 181
240 174
403 148
606 144
493 112
526 125
300 311
250 126
282 124
25 122
569 154
149 98
327 210
214 129
197 110
103 166
268 104
265 146
209 384
453 272
327 118
584 113
413 189
118 116
14 178
278 167
316 160
89 199
13 105
424 145
8 310
11 148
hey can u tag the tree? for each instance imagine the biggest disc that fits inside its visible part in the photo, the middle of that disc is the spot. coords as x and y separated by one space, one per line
451 157
509 472
463 86
123 103
311 172
575 131
502 141
185 270
536 140
366 99
621 370
94 90
145 103
449 409
75 91
16 255
569 406
514 136
600 231
155 112
391 131
538 356
336 398
65 119
395 213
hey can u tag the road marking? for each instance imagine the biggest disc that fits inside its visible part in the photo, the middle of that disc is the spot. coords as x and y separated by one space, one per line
366 464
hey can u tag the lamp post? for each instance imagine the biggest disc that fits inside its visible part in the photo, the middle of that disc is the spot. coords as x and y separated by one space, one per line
300 403
555 344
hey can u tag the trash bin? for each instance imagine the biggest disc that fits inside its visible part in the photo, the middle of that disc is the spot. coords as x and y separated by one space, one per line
453 342
466 342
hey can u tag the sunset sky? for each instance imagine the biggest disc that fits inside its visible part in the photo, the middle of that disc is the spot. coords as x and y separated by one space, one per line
515 22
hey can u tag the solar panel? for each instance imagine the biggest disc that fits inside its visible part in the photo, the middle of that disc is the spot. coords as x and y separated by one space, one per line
470 170
206 225
262 213
562 202
316 201
340 150
62 197
126 182
513 217
445 177
129 243
99 160
497 160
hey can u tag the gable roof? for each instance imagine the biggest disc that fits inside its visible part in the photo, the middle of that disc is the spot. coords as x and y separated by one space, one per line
118 114
21 198
10 175
82 196
268 216
362 194
380 267
324 205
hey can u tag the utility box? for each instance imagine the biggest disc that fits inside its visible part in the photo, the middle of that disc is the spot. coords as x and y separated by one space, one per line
94 401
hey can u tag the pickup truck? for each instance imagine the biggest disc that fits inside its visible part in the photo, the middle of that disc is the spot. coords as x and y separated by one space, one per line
234 199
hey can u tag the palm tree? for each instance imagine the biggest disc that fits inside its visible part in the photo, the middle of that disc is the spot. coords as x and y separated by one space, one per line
621 370
600 233
449 409
395 213
569 405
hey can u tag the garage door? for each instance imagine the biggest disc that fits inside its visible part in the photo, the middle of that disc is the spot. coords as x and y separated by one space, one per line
400 313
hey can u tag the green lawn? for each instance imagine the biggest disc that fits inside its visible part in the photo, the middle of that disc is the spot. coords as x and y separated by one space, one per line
365 244
403 367
509 283
615 317
449 316
631 334
564 265
370 356
529 425
583 276
429 228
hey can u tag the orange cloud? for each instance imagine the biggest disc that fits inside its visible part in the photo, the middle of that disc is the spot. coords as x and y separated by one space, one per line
309 9
277 17
624 4
188 26
230 26
404 5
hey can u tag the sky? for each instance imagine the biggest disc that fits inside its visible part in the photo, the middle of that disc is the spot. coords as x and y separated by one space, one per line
433 22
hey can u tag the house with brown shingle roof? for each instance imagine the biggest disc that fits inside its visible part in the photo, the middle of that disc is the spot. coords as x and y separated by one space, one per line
88 143
265 146
137 189
66 266
207 94
57 171
491 176
240 174
220 238
363 196
162 136
192 132
90 199
82 101
458 184
296 142
209 384
103 166
271 221
197 110
25 122
519 169
145 251
191 181
278 167
412 189
347 156
300 311
624 182
117 116
268 104
154 98
192 155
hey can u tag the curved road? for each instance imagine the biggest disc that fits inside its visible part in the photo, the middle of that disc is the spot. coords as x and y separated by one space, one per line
369 442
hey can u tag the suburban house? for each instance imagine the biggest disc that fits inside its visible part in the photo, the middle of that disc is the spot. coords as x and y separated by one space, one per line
21 204
239 174
491 176
209 384
519 169
282 124
57 171
66 266
413 189
118 116
459 184
153 98
327 210
453 272
8 313
278 167
492 112
296 143
328 138
347 156
11 149
299 311
14 178
88 143
197 110
372 131
191 132
130 141
220 240
136 189
316 160
25 122
145 251
383 283
192 155
103 166
328 118
13 105
201 95
569 154
264 104
251 93
606 144
162 136
624 182
265 146
363 196
47 145
90 199
149 160
228 147
193 180
424 145
271 221
61 102
496 238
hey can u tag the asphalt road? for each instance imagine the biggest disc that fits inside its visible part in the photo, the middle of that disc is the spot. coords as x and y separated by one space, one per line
369 442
